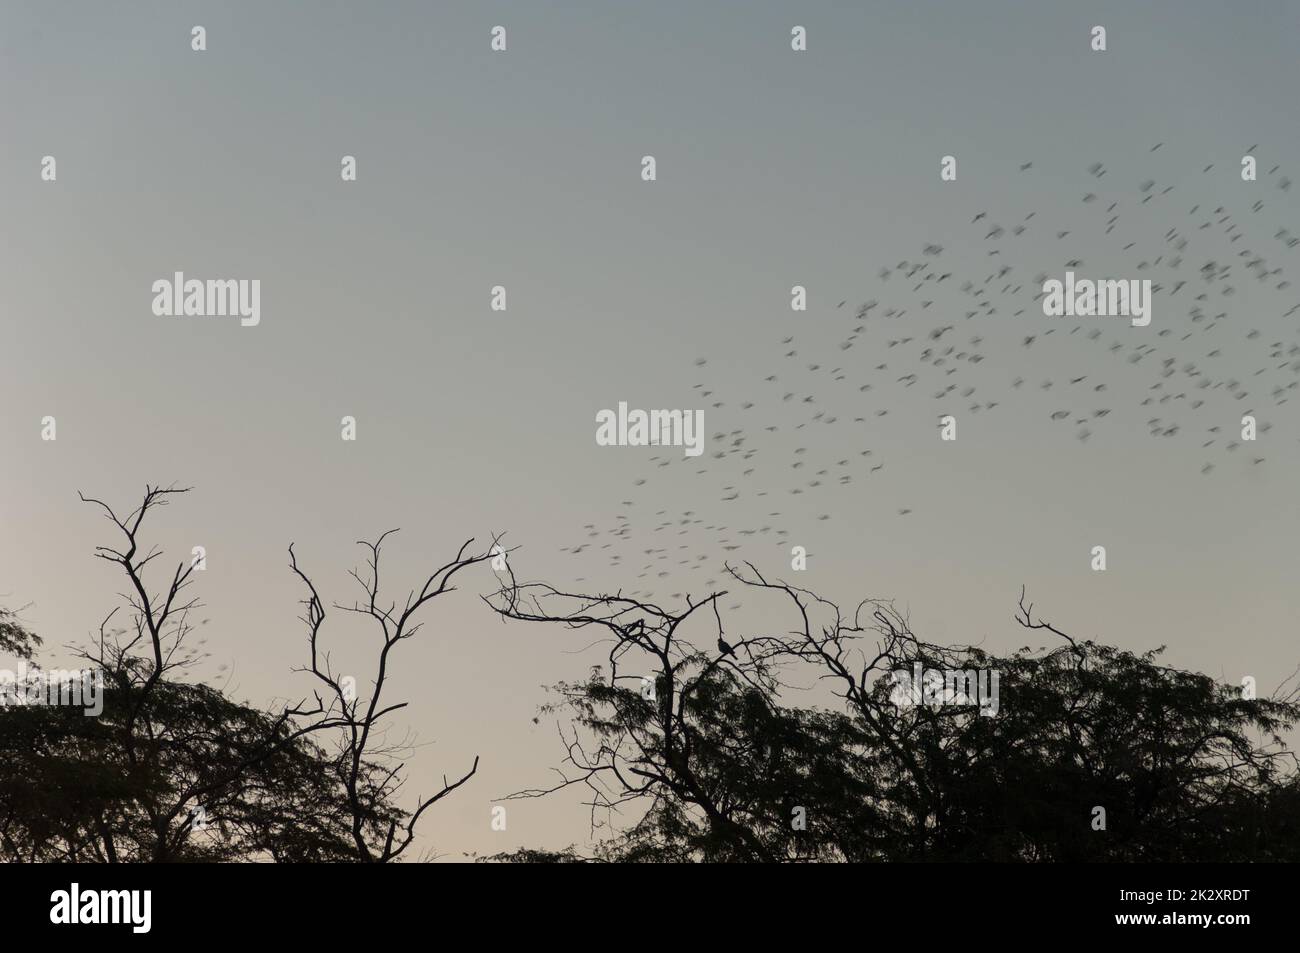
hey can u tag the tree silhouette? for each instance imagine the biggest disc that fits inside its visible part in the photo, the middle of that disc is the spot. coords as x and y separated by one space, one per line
379 834
15 638
174 770
798 742
718 763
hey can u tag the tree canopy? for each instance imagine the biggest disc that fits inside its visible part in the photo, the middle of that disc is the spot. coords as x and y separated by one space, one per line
1092 754
793 731
173 769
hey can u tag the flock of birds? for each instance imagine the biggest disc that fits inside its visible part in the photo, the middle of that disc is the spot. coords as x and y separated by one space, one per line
952 331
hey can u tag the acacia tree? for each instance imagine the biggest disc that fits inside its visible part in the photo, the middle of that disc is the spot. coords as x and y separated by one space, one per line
69 792
694 740
712 759
173 769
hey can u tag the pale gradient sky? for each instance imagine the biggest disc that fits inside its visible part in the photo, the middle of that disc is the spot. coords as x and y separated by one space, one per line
522 169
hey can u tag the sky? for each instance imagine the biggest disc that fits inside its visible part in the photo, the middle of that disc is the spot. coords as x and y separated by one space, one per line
523 169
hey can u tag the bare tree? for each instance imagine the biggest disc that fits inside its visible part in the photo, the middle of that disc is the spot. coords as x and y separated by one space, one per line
378 835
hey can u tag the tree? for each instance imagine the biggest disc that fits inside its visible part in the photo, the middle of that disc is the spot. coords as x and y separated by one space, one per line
379 834
15 638
707 754
173 770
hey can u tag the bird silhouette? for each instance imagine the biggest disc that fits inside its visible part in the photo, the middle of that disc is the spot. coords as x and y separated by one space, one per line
809 427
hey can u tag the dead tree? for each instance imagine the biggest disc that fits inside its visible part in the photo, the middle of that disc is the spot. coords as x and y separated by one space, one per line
378 834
